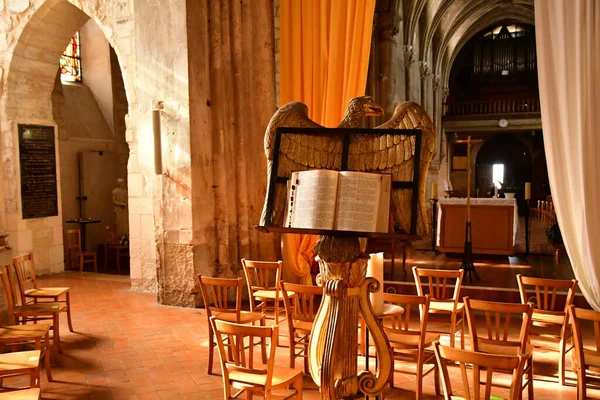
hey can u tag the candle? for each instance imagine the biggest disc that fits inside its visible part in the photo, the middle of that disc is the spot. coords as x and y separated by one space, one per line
527 190
375 270
434 190
495 191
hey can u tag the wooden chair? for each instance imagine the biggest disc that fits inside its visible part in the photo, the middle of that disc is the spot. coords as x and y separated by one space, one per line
24 394
548 314
216 293
73 248
32 293
409 338
495 339
239 369
21 314
491 362
113 244
444 297
301 310
585 358
21 363
17 335
263 279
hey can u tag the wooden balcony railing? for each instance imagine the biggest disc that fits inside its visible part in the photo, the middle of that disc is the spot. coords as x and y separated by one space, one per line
493 107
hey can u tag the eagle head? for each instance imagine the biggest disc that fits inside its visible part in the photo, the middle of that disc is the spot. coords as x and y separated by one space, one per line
366 106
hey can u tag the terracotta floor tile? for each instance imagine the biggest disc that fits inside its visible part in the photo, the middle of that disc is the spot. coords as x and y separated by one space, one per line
128 347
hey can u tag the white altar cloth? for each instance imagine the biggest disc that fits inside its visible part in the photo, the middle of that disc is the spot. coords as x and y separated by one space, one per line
479 201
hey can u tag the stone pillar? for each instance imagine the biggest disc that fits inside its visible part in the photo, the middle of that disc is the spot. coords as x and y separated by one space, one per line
232 98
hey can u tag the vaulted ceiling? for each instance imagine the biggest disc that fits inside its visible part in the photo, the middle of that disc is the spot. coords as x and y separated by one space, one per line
437 29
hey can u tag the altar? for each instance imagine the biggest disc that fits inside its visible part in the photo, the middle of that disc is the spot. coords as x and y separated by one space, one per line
494 225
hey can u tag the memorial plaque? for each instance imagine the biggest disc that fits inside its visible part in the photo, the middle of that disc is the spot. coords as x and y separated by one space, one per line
37 153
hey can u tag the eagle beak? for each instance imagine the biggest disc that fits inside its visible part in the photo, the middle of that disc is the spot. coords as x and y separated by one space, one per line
374 111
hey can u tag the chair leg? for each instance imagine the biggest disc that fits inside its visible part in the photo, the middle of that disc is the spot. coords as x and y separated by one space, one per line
298 387
436 377
47 356
561 357
420 374
118 261
462 330
95 265
263 344
530 379
581 389
80 263
211 347
68 294
56 332
452 328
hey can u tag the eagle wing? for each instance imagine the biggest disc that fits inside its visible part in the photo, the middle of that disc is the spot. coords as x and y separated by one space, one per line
394 154
297 152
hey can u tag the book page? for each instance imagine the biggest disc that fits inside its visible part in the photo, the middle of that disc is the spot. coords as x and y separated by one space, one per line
383 208
358 200
313 198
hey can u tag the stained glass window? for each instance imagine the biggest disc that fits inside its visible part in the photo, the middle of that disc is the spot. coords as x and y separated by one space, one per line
70 61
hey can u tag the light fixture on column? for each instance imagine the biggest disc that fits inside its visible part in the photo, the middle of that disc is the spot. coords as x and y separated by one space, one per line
156 109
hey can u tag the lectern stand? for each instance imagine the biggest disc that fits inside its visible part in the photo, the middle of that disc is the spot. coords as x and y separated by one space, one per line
333 343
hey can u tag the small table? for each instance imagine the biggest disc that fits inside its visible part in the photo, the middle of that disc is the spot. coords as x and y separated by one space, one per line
83 222
16 334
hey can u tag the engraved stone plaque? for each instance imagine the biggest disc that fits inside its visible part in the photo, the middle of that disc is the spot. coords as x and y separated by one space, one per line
37 154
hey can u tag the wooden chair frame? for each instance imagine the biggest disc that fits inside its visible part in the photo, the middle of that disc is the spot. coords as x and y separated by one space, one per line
216 293
547 314
111 243
20 363
21 314
494 339
263 279
584 357
239 369
73 247
491 362
301 311
32 293
437 283
409 344
17 335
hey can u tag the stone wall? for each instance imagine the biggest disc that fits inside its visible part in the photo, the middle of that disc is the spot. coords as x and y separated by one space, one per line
33 35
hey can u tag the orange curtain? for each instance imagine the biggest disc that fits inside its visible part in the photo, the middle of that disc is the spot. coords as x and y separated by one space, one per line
324 60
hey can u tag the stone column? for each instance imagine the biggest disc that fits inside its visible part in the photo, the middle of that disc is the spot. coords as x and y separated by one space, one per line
232 98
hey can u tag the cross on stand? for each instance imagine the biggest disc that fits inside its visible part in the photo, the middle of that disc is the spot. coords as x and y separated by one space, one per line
467 263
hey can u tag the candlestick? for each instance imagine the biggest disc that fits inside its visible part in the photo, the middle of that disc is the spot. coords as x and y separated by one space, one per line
434 190
527 190
375 270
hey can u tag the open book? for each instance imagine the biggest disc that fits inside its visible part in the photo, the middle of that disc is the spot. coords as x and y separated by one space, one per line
333 200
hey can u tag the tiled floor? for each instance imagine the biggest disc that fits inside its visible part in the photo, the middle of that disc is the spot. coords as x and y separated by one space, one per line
128 347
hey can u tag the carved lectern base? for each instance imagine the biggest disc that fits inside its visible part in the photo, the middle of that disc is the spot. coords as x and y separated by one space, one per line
334 339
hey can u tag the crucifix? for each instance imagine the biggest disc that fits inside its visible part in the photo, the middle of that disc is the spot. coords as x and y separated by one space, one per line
467 262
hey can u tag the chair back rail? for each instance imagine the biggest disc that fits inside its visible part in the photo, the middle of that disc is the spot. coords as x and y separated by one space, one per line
546 292
441 285
239 357
491 362
498 319
25 273
221 294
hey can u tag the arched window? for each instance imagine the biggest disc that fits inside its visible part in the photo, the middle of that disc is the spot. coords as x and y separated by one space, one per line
70 61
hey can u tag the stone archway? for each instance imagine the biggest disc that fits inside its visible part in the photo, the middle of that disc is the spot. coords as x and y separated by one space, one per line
37 33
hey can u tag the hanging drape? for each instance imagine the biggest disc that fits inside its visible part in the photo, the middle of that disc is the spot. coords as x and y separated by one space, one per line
568 49
324 59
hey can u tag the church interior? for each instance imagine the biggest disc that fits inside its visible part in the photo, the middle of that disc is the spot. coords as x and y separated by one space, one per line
206 199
